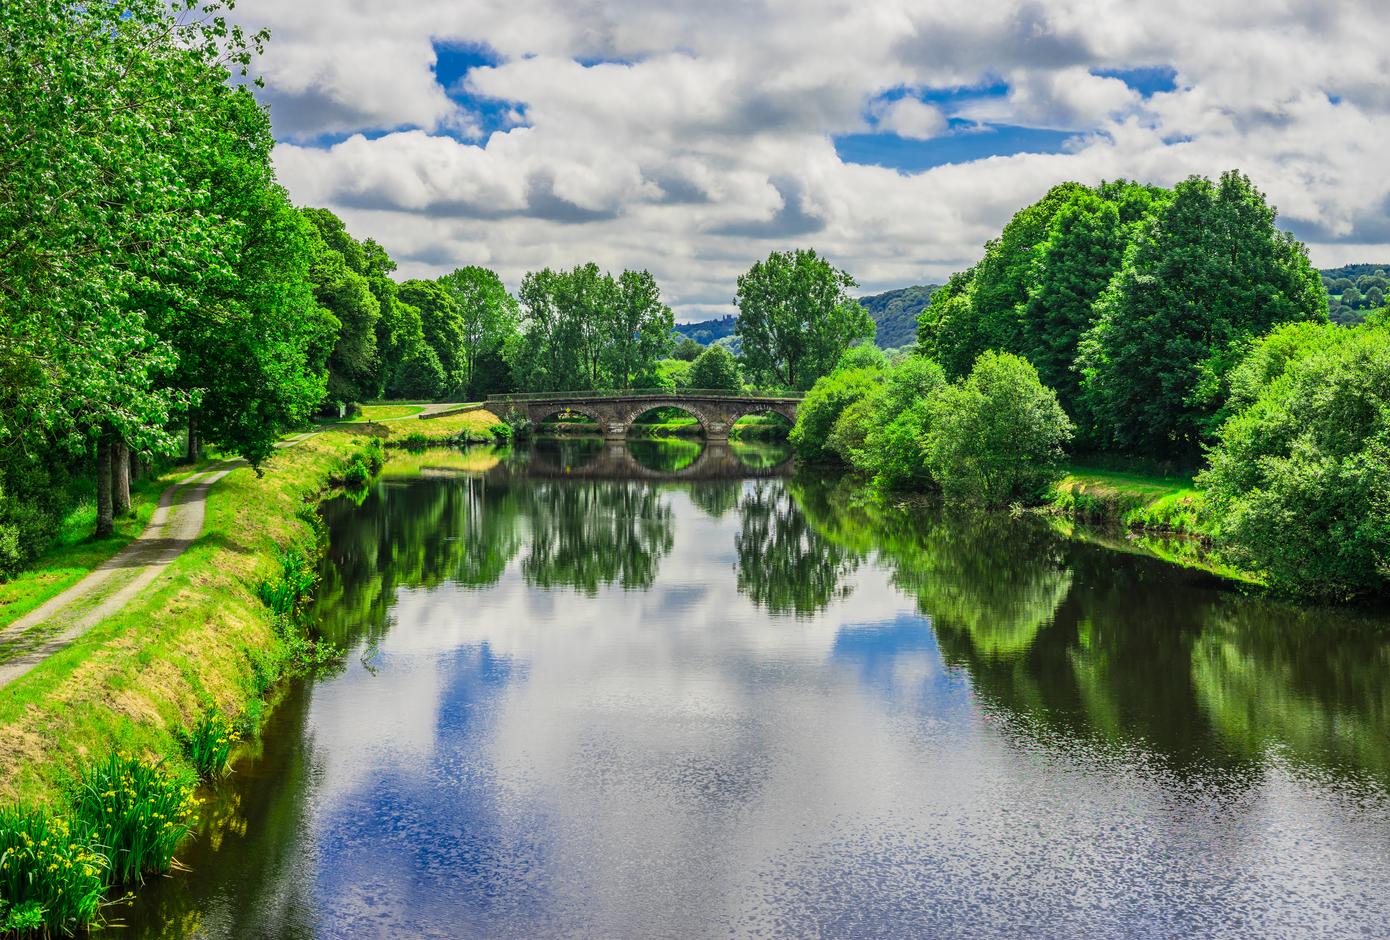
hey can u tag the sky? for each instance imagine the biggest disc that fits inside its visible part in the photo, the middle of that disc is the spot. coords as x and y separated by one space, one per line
691 139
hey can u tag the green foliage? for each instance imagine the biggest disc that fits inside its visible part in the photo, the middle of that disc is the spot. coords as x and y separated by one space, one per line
136 812
894 449
669 374
822 406
1209 272
686 349
851 429
1300 473
209 743
796 318
284 594
50 876
583 329
708 332
487 320
341 285
420 377
1350 288
715 368
997 436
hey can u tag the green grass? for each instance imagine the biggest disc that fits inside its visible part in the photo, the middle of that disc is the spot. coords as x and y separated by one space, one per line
470 427
198 638
75 553
387 412
1136 500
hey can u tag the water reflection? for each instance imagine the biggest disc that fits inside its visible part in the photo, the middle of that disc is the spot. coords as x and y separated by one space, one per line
601 706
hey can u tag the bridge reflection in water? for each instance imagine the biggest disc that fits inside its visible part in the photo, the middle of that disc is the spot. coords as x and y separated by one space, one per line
657 459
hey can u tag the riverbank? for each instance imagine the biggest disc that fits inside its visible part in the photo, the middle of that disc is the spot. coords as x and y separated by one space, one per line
1139 502
199 638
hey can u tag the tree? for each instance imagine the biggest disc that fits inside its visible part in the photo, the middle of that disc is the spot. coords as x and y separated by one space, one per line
441 325
822 406
101 108
1299 475
895 445
339 274
640 327
796 317
487 318
1207 273
716 368
687 349
996 436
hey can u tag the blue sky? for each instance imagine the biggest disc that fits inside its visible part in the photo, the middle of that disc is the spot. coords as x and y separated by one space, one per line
895 137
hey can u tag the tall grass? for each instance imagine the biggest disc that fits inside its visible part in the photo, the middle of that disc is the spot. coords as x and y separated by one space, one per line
135 812
284 594
209 743
50 879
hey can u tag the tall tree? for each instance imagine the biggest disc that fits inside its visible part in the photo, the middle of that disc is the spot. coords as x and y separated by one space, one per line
640 331
1207 274
487 318
796 317
340 274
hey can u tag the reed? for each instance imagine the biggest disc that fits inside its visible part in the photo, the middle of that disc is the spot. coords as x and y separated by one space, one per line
135 812
209 744
51 880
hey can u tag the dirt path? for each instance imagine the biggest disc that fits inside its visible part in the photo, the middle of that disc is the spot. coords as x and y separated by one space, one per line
176 524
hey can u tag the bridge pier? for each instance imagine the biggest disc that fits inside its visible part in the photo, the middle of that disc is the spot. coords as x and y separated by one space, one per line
614 431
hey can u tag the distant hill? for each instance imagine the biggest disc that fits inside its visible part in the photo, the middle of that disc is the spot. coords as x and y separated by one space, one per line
1354 290
707 332
894 312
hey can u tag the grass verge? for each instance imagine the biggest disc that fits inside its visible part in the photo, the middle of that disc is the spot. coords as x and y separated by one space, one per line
471 427
199 638
75 553
1137 501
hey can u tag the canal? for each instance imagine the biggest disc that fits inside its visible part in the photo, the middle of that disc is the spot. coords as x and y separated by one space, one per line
663 690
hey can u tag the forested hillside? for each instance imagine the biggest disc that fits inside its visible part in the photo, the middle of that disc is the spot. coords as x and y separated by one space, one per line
706 332
895 314
1354 290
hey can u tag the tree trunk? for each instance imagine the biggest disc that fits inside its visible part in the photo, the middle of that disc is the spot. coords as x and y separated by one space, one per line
120 478
105 524
193 444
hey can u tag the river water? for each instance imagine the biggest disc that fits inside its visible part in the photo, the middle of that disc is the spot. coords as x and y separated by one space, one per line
663 691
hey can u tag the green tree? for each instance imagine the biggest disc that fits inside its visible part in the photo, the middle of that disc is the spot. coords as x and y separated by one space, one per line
796 317
716 368
486 317
1209 272
339 274
640 329
100 108
822 406
895 445
996 436
441 325
1300 474
687 350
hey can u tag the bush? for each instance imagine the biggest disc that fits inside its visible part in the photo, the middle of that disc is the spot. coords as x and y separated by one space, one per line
896 452
851 428
821 408
997 436
715 368
136 812
49 876
502 432
1299 477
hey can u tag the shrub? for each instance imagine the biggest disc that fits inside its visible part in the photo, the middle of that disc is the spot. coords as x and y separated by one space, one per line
896 452
1299 478
851 429
502 432
996 436
715 368
51 878
136 812
819 410
209 743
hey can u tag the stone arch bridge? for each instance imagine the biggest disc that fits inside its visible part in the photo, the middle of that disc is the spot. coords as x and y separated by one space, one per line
615 411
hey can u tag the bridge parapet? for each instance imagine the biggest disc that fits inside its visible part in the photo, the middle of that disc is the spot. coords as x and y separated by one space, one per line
615 410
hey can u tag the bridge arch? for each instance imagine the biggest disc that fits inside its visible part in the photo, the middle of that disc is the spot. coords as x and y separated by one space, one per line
642 407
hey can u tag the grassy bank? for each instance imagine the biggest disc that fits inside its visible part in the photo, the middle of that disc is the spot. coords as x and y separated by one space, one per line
1170 504
75 553
471 427
199 638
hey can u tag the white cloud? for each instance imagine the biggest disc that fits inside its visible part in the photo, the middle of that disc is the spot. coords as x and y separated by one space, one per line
692 139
